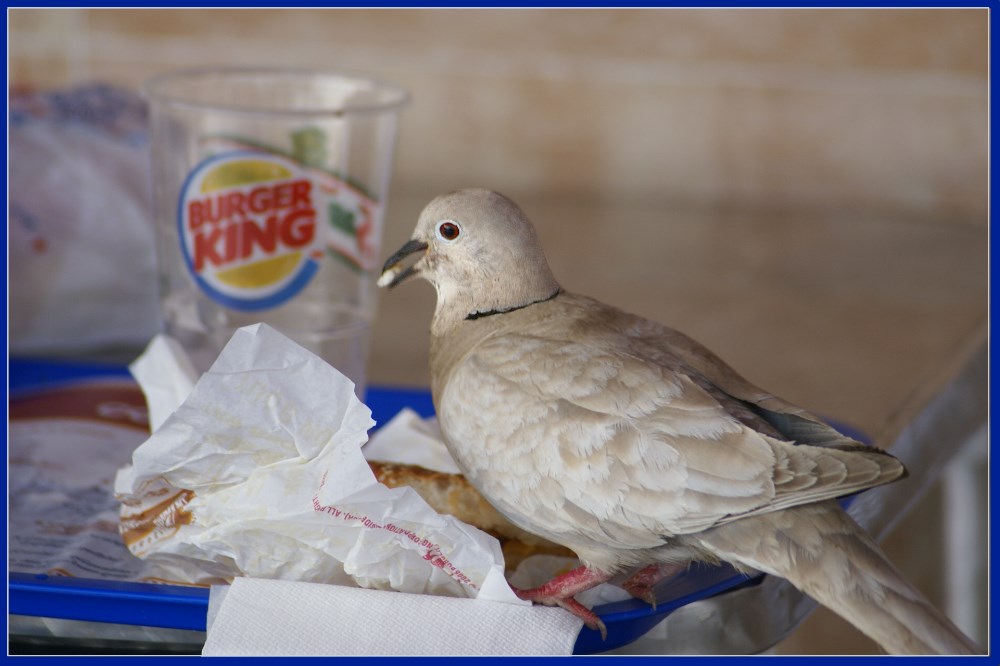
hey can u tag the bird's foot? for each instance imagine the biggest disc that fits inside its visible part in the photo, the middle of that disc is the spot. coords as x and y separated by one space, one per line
589 617
560 592
640 584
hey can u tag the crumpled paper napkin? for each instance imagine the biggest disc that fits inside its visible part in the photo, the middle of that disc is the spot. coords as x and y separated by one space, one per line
409 439
257 477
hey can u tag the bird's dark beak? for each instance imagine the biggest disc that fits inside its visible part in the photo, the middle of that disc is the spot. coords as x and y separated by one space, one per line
392 273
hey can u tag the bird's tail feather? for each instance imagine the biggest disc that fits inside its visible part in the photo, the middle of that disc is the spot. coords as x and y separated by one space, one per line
824 553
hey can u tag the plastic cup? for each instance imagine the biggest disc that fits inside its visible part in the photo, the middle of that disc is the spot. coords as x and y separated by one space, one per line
269 195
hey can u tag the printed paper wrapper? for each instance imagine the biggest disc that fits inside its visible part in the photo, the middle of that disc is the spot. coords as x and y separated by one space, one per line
259 473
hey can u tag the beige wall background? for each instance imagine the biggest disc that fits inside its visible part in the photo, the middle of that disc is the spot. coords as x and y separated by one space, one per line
697 166
860 108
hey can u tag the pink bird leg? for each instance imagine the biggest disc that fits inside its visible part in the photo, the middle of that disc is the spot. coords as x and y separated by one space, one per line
640 584
560 592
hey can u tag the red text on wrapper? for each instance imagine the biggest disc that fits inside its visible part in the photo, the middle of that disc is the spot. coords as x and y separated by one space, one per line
432 553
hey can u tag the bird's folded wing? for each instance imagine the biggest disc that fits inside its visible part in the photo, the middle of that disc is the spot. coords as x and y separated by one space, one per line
791 421
640 451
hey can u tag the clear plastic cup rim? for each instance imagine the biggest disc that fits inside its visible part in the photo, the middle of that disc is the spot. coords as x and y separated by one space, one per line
153 89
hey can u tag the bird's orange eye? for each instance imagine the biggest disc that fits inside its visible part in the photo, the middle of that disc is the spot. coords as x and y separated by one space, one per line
448 230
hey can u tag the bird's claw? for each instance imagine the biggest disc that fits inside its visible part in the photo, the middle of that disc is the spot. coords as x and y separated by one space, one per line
589 617
640 585
641 592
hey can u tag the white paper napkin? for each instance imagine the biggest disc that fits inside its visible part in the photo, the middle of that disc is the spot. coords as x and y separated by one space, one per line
285 618
410 440
166 376
254 474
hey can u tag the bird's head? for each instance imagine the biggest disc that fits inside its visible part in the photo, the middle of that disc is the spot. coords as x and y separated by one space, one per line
481 253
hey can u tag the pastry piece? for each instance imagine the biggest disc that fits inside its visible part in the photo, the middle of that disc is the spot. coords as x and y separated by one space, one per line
453 494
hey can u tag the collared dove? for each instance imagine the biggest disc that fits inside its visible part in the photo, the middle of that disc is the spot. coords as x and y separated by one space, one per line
635 446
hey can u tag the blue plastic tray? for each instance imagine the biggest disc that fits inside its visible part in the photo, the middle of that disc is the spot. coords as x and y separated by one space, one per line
179 607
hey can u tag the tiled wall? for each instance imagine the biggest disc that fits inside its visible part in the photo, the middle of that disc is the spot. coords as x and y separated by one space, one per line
856 108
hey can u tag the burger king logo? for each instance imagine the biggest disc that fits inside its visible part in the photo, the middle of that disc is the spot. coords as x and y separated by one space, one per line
248 229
